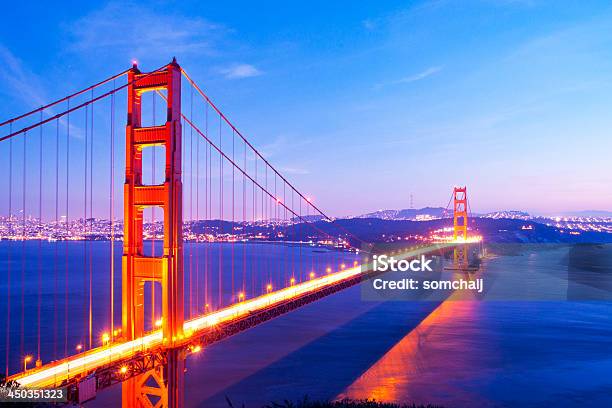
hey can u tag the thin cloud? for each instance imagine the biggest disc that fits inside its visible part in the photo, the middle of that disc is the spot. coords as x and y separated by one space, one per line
369 24
23 84
239 71
294 170
133 30
413 78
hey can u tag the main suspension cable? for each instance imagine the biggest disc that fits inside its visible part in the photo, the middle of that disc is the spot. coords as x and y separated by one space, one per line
82 91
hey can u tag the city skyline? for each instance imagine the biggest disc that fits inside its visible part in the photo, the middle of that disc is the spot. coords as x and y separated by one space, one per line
424 106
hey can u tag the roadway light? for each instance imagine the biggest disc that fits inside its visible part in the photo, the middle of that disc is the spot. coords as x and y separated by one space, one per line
158 323
312 275
292 281
105 339
342 266
269 287
196 348
26 360
79 347
123 369
355 263
241 296
328 270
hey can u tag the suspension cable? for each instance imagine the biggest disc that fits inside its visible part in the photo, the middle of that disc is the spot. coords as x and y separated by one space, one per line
221 115
86 103
225 157
82 91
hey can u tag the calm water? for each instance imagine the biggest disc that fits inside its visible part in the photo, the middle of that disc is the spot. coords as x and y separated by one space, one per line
214 276
457 354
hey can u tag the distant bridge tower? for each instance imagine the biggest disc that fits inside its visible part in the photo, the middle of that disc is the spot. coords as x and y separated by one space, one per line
160 387
460 215
460 225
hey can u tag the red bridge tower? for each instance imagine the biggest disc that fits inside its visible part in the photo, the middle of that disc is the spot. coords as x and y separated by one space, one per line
460 215
460 225
165 382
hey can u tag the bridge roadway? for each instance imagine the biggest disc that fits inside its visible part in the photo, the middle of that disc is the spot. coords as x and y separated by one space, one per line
118 361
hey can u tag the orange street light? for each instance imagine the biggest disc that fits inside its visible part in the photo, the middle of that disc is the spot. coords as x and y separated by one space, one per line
26 360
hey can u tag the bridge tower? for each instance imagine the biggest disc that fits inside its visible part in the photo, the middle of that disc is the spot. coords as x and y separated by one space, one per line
460 216
460 225
162 386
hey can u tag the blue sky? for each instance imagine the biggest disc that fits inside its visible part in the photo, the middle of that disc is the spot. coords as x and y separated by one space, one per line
363 103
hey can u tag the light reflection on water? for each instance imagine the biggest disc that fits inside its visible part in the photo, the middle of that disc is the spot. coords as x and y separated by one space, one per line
504 353
417 358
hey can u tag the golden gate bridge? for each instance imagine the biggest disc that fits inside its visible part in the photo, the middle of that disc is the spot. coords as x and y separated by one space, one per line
174 299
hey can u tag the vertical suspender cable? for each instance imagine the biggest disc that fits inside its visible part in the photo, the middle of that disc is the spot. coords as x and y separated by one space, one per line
299 234
56 244
206 217
40 162
292 223
244 224
112 213
91 149
210 214
233 218
197 305
9 266
67 233
285 266
23 240
267 259
153 226
254 265
191 210
220 232
85 274
269 227
274 222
